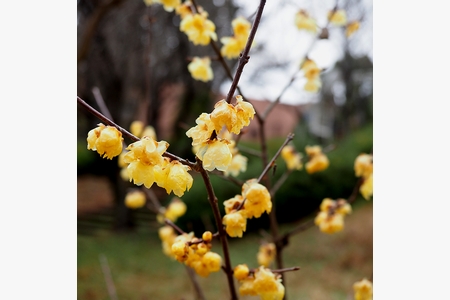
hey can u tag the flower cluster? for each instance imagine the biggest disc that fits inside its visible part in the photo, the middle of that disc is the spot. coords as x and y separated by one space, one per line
238 161
257 201
318 161
199 29
146 165
363 290
292 158
212 150
304 22
200 69
312 74
135 199
195 253
331 216
176 209
266 254
364 168
233 45
106 140
260 282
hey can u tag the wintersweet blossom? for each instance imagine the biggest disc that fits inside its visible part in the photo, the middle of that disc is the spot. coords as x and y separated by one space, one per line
215 154
233 45
313 85
167 236
235 223
304 22
363 290
144 160
238 164
199 29
224 114
292 158
351 28
241 272
337 17
174 177
200 69
363 165
258 199
268 285
135 199
266 254
202 131
176 209
366 188
330 219
106 140
184 9
233 203
312 74
317 160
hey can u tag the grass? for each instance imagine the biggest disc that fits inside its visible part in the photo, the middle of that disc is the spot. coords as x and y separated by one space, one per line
329 264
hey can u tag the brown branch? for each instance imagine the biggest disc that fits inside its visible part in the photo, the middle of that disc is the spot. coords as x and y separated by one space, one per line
108 278
243 59
132 137
172 224
222 234
193 277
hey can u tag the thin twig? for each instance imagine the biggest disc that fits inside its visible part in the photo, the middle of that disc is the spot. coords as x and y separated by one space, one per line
193 277
108 278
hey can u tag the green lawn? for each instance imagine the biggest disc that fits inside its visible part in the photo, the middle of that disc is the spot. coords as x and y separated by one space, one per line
329 264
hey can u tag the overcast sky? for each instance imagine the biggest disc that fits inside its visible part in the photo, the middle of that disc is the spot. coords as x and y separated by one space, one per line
285 46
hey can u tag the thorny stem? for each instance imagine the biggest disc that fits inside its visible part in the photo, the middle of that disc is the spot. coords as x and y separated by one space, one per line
243 59
222 234
132 137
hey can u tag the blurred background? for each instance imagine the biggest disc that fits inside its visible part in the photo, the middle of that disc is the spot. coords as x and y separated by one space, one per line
136 58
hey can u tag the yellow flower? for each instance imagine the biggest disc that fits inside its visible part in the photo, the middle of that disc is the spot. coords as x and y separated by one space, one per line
258 199
174 177
207 236
329 223
313 85
292 158
305 22
241 272
215 154
198 28
247 287
366 188
135 199
363 290
136 128
212 261
233 203
144 160
184 9
337 17
275 295
176 209
224 114
167 236
331 216
266 254
200 69
169 5
106 140
245 112
235 223
202 131
317 160
351 28
310 69
363 165
232 47
241 28
238 164
181 250
265 281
